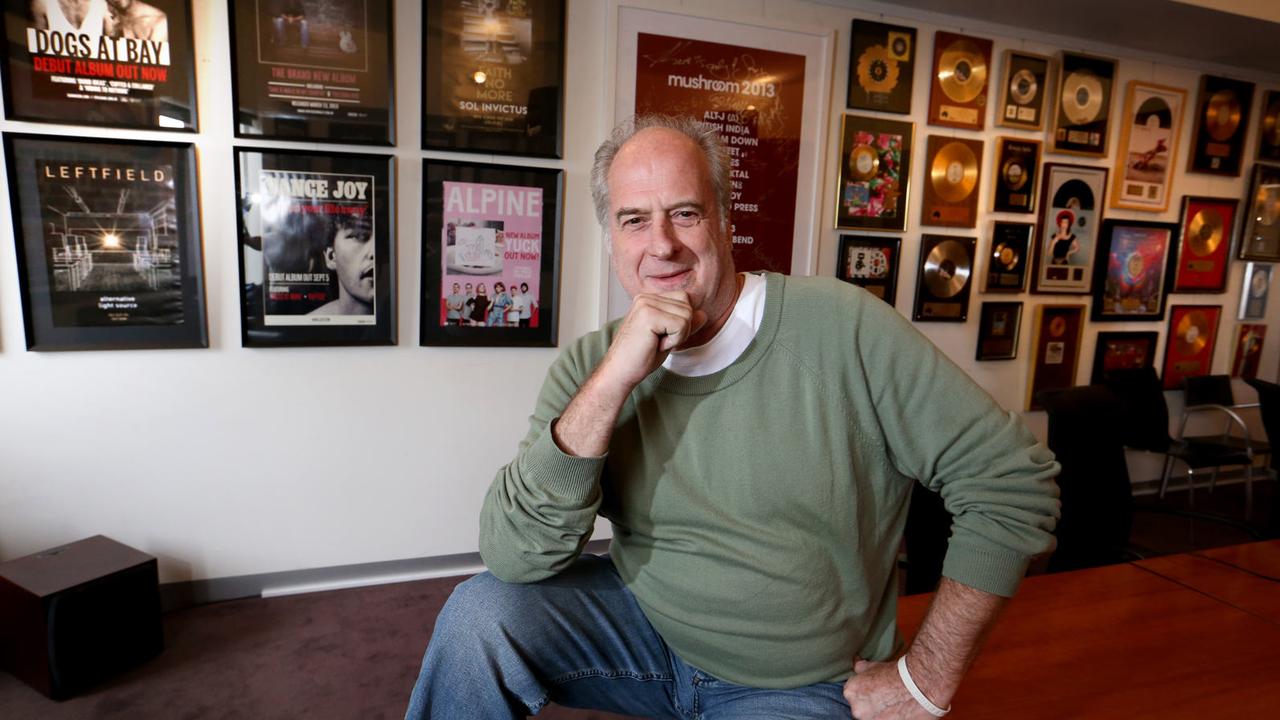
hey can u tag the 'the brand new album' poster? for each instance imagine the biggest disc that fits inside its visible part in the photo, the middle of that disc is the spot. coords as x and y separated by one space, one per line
317 261
100 62
313 70
108 243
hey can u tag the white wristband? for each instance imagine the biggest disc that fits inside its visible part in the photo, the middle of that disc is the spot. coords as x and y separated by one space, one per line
914 689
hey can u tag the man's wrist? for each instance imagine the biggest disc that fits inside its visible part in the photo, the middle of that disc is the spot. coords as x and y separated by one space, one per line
937 685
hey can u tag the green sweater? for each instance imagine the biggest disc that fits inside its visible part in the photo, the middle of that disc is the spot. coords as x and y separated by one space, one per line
757 511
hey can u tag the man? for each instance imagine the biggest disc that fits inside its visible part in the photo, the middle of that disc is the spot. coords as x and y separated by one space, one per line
525 303
754 441
349 254
453 306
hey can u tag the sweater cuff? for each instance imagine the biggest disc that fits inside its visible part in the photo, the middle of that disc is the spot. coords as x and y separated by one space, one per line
569 477
993 571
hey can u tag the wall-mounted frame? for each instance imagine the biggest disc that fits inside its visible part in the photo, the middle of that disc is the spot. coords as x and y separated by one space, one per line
998 326
486 226
873 190
1204 251
953 182
129 68
1016 176
1023 91
871 263
1248 350
1269 127
493 77
881 67
108 243
1149 132
1070 215
1260 235
1009 258
318 70
1254 291
1222 124
944 279
1133 271
1055 349
1189 344
317 248
1123 351
961 77
1083 113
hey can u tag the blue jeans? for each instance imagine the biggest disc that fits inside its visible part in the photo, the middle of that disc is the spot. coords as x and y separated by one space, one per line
503 650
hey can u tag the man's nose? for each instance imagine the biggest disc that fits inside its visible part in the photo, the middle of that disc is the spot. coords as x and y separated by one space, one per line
664 242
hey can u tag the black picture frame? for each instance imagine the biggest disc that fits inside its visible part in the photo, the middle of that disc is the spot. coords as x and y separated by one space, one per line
492 96
317 250
999 324
454 199
1134 269
1125 349
137 283
881 67
871 263
1217 144
322 78
124 66
1260 229
1009 257
944 259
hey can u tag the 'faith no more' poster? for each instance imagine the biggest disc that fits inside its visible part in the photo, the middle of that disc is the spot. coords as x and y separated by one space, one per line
755 98
123 63
314 69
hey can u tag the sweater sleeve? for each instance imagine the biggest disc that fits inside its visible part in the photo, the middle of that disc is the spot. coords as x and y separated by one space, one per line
541 507
995 478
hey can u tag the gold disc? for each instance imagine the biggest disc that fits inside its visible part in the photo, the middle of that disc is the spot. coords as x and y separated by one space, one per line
1007 257
1081 97
1204 232
954 172
1192 332
962 73
1222 115
864 162
1023 87
1266 205
877 72
1271 124
946 269
1014 174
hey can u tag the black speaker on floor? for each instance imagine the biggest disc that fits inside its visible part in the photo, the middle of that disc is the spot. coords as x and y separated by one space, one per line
74 615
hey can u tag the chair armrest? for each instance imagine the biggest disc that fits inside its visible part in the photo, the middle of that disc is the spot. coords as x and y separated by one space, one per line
1235 419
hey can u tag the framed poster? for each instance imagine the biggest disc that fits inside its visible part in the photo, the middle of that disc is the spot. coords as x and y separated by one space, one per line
946 274
319 70
875 173
1248 350
1122 351
772 114
1055 349
118 64
998 331
1260 237
1206 239
493 76
1084 105
1008 259
1269 127
881 67
1131 281
871 263
490 255
317 248
1023 90
1193 332
1017 172
1152 123
1254 291
1222 121
1070 212
108 243
951 195
961 75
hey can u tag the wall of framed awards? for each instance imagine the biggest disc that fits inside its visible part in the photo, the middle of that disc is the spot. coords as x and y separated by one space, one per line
334 244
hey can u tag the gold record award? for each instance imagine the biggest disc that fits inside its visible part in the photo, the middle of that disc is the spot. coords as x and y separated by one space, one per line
1084 105
1205 232
1269 140
946 266
1222 116
881 64
951 194
961 69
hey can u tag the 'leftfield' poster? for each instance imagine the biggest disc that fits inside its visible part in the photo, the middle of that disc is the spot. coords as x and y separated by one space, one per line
100 62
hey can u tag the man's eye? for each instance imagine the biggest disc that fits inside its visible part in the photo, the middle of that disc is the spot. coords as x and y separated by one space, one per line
633 223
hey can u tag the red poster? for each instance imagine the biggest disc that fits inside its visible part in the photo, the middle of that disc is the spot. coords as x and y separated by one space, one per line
755 98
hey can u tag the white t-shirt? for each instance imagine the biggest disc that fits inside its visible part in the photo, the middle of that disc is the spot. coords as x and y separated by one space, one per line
728 345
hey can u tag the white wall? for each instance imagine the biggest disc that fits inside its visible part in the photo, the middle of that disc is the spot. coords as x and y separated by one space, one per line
230 461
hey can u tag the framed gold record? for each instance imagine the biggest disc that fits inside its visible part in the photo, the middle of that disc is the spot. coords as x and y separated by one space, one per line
1222 120
1083 105
1260 235
1055 349
1269 127
961 76
881 67
1024 85
1016 173
1149 132
946 276
952 185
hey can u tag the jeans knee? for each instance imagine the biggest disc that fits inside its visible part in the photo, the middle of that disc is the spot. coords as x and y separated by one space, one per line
480 607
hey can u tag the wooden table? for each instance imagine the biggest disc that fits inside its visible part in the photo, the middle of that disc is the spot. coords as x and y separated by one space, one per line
1130 641
1238 575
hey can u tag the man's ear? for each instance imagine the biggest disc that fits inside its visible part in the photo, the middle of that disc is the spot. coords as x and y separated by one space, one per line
329 262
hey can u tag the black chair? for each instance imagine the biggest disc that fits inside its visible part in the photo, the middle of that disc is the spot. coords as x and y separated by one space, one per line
1144 425
1213 394
925 539
1269 408
1097 499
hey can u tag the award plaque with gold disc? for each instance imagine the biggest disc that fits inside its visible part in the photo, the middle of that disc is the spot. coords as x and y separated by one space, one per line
1084 105
1023 90
1205 245
1249 337
946 274
1009 258
1269 137
1222 119
961 71
1188 350
881 65
1055 348
1260 237
1016 173
951 192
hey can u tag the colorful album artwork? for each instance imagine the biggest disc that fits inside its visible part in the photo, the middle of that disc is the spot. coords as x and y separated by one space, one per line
1132 274
961 76
1083 105
1123 351
1188 352
1248 350
998 331
870 263
1070 216
875 173
1222 122
1055 350
1023 92
1206 240
1254 291
1149 132
881 66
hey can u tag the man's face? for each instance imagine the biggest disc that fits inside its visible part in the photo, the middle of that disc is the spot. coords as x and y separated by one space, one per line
470 290
352 256
524 288
658 180
456 289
